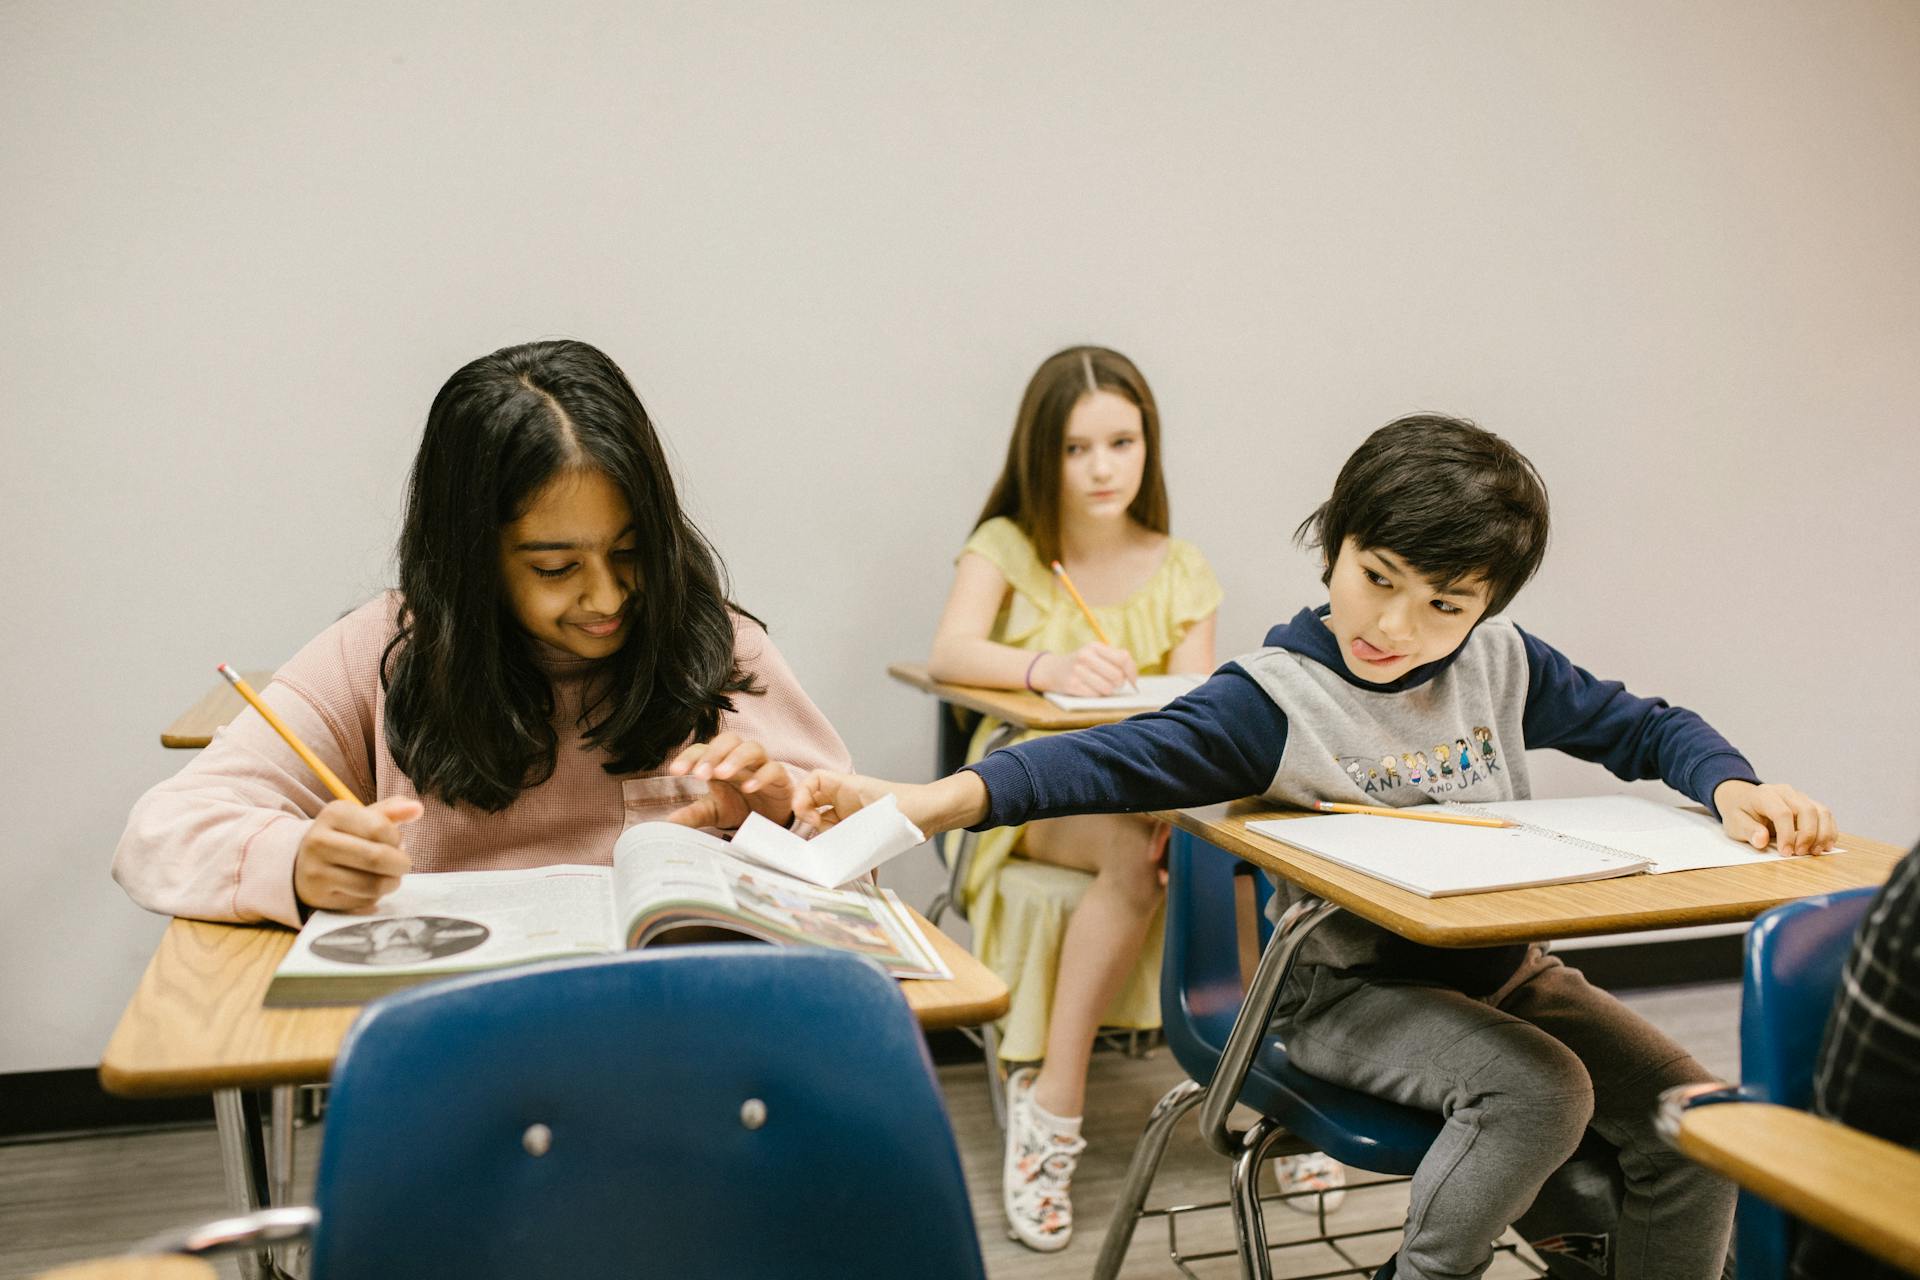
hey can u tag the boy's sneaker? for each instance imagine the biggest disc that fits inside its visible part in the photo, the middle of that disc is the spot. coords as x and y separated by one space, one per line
1038 1172
1314 1171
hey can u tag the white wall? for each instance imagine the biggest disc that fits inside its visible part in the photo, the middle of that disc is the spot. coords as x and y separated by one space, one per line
1667 249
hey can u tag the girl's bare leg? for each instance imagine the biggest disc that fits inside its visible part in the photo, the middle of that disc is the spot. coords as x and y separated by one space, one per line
1103 938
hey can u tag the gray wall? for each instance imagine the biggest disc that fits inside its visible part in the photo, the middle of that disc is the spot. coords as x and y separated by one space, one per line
1667 249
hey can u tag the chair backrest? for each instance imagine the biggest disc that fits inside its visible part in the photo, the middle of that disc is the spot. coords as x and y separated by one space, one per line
1794 957
724 1110
1200 985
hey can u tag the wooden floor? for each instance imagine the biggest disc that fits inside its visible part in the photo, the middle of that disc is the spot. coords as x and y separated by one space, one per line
67 1200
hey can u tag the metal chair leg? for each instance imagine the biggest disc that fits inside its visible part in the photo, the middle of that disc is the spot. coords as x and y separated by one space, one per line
243 1157
1147 1154
1249 1223
996 1084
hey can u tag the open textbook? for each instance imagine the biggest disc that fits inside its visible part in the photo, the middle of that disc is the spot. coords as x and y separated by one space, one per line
667 883
1150 693
1552 842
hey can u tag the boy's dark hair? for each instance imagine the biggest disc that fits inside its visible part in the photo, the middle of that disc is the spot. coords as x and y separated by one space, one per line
1028 490
469 711
1454 501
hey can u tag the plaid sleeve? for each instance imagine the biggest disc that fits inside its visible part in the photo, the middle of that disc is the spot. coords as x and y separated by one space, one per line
1871 1055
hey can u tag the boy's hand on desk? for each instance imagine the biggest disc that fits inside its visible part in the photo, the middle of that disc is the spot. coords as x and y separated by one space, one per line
350 857
740 780
825 798
1774 813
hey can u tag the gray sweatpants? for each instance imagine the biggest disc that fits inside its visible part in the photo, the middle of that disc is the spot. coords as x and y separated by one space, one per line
1520 1075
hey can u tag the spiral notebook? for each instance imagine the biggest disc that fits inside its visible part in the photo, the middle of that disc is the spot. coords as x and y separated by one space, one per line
1552 842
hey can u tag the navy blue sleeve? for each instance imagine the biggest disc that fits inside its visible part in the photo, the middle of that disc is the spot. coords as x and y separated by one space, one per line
1220 742
1635 738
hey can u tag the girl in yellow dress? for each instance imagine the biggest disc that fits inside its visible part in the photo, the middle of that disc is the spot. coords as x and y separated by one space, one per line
1082 485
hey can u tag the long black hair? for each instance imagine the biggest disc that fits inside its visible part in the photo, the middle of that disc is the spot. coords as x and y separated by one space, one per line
469 714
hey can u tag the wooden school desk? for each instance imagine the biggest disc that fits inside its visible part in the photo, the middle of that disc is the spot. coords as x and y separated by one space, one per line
164 1267
197 1025
1860 1188
1716 895
1016 709
193 728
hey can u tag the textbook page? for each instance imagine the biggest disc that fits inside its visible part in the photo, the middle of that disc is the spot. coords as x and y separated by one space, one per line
1439 860
449 922
670 878
843 852
1670 839
1150 694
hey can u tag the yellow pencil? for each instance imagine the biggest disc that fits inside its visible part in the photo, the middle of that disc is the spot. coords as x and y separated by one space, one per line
300 748
1100 632
1417 814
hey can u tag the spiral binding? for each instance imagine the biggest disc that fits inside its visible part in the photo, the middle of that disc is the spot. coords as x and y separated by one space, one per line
1591 846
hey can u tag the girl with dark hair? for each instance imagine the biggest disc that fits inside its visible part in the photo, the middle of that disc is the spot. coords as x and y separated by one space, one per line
1082 485
560 635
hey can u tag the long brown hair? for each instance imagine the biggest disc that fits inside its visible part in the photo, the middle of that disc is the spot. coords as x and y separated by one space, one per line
1028 490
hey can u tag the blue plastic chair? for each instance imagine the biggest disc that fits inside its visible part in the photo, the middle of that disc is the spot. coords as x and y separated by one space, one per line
1794 956
726 1110
1200 994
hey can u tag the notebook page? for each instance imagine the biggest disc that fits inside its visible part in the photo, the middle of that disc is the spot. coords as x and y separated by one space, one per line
1670 839
1437 860
1152 693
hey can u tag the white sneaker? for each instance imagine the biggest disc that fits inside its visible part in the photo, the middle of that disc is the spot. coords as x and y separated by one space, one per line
1314 1171
1038 1171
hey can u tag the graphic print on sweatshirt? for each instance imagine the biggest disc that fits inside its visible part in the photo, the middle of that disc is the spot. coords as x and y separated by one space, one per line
1456 736
1446 770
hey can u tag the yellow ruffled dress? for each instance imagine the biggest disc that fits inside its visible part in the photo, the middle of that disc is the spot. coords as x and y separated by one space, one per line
1019 908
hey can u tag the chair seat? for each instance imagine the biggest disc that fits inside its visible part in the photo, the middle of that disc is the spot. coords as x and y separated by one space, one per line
1025 878
1354 1128
1019 933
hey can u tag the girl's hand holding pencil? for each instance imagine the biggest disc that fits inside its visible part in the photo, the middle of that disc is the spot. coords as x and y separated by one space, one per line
350 857
1094 670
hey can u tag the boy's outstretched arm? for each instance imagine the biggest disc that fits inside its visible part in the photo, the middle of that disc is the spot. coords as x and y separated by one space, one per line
1220 742
1568 708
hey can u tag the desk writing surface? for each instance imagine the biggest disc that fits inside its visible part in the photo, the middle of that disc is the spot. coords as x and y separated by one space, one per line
1863 1189
143 1267
1717 895
194 727
1014 706
196 1022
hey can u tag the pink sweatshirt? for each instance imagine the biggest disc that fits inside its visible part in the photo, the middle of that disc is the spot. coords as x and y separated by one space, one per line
216 841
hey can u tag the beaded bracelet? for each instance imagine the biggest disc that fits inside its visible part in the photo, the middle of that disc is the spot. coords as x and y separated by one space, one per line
1030 667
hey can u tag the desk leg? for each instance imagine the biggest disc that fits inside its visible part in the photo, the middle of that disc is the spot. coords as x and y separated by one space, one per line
243 1157
290 1257
1250 1025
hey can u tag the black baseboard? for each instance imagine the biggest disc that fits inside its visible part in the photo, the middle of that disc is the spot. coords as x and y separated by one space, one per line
42 1104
